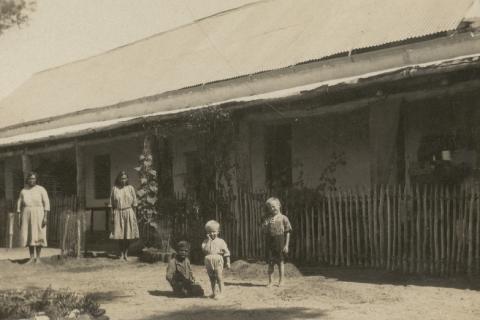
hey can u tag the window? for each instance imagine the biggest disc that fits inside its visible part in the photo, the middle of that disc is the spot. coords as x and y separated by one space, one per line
193 177
101 172
278 156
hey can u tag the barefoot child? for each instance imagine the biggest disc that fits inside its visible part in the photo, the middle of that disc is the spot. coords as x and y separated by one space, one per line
179 273
277 230
215 250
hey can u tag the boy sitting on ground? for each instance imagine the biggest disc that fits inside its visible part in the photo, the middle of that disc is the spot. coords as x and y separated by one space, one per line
179 273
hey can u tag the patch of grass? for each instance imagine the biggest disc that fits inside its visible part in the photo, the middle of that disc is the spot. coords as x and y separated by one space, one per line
57 304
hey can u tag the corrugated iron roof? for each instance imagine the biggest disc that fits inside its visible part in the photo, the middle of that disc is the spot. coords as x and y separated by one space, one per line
83 129
266 35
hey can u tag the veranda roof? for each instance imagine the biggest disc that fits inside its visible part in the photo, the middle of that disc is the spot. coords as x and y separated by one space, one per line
78 130
262 36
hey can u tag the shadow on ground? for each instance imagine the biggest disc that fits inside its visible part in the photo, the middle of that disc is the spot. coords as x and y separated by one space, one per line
19 261
244 284
108 296
218 313
373 276
160 293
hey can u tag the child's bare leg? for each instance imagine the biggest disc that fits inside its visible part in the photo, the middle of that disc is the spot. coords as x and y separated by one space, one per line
271 268
219 276
213 283
281 272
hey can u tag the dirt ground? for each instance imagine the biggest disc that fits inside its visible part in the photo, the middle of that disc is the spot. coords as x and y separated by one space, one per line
134 290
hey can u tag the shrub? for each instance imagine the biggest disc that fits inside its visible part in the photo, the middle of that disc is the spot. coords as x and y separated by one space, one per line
21 304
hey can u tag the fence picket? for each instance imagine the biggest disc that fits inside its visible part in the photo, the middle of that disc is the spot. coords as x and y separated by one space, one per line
411 229
447 231
389 236
470 232
425 228
330 230
460 230
324 231
381 225
342 225
418 235
371 239
357 218
394 226
347 226
353 248
477 231
365 228
442 231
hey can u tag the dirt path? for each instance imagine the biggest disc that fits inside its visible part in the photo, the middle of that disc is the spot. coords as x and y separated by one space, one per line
134 290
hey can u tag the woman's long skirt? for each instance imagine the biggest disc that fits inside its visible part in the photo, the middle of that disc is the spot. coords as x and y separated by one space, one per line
125 224
32 233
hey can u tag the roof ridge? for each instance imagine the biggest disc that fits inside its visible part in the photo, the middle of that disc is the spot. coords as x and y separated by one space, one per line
219 13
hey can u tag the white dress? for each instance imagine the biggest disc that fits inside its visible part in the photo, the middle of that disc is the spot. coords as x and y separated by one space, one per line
123 201
32 204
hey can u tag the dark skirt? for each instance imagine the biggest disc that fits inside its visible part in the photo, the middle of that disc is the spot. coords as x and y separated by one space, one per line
274 248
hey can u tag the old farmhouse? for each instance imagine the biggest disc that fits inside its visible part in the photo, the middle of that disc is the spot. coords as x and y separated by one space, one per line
318 95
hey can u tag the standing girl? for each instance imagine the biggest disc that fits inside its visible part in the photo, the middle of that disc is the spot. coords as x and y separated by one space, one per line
33 206
215 250
123 201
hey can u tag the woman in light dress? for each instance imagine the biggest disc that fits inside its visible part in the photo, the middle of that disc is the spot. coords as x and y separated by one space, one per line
123 202
33 206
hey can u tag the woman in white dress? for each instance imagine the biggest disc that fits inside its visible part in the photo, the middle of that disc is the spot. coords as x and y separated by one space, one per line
123 202
33 206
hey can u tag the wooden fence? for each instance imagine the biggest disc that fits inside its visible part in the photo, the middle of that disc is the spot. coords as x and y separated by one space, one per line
418 229
65 230
6 222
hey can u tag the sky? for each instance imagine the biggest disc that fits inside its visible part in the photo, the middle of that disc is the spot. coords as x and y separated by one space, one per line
61 31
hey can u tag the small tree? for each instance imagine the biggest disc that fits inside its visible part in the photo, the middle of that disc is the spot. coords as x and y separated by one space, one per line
148 209
14 12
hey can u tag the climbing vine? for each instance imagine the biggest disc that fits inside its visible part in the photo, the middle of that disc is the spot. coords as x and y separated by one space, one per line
327 181
211 192
214 131
147 193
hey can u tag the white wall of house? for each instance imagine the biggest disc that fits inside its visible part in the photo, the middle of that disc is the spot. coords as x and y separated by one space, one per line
314 141
123 157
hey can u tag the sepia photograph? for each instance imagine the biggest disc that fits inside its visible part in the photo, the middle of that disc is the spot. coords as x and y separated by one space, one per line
240 159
